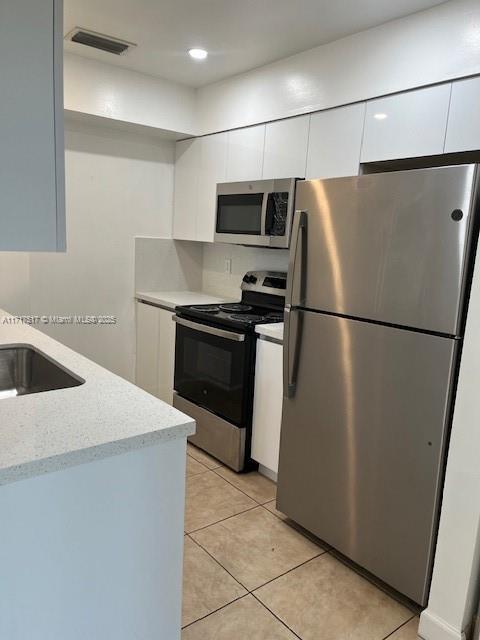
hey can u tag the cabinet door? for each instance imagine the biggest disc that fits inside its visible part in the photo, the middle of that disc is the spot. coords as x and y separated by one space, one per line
286 144
187 160
406 125
213 160
245 154
32 207
166 354
267 407
146 375
335 142
463 129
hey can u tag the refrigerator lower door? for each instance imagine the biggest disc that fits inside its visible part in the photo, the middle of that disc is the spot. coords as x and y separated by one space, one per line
362 443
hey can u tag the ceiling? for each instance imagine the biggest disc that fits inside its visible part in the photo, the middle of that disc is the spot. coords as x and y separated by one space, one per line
238 34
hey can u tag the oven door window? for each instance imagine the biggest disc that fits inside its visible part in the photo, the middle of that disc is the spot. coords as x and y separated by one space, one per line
240 213
210 371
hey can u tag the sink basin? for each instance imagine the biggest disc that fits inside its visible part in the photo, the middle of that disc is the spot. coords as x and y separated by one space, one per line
25 370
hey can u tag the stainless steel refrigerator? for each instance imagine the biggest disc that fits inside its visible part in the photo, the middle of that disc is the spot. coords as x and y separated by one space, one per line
377 289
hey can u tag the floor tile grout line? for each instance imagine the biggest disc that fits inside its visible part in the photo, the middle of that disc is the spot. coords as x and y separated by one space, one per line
398 628
200 473
259 504
215 610
209 468
322 551
291 524
260 585
276 617
200 463
252 591
241 490
220 564
281 575
255 506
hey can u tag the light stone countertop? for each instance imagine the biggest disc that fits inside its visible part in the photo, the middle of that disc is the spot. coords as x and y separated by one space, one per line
105 416
170 299
273 330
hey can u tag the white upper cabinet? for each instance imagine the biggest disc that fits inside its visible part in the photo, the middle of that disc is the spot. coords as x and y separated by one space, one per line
187 161
200 163
335 142
463 129
406 125
286 143
213 161
245 154
32 183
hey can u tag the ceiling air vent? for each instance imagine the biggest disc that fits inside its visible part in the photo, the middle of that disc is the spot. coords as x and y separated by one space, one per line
99 41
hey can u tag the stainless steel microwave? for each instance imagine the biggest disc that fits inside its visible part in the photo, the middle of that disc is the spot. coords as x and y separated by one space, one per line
257 213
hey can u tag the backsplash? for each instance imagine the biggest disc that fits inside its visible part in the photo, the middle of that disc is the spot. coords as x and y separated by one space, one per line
163 264
217 282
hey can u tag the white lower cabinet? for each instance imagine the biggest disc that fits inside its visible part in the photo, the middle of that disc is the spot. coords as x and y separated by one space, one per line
267 406
155 359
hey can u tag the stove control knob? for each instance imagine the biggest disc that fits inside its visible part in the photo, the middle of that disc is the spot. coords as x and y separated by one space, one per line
253 280
246 278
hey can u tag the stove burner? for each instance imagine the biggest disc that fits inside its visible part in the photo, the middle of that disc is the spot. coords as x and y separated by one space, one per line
236 307
206 308
247 317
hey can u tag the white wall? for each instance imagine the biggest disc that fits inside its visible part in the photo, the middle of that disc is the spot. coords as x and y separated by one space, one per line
455 582
15 282
244 259
108 91
425 48
117 186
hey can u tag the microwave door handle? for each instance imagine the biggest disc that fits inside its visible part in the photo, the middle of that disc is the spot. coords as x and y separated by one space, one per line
263 222
214 331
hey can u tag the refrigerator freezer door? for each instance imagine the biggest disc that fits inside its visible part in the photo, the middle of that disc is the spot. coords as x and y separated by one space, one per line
386 246
362 442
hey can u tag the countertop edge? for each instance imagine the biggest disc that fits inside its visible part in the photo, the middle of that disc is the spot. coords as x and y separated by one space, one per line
271 332
61 461
163 299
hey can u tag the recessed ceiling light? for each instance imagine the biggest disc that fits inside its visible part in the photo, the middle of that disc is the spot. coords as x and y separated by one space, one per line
198 54
380 116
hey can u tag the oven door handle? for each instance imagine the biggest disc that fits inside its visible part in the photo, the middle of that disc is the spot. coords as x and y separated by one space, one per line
214 331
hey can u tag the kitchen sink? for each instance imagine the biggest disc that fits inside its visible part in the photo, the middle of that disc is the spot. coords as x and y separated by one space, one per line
25 370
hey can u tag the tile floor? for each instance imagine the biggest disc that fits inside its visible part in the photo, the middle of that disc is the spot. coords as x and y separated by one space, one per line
250 573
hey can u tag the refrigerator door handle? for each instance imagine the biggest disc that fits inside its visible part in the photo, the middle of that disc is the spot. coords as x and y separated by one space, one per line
295 295
293 333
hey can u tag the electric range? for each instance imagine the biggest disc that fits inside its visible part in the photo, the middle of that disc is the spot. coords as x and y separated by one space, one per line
215 350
